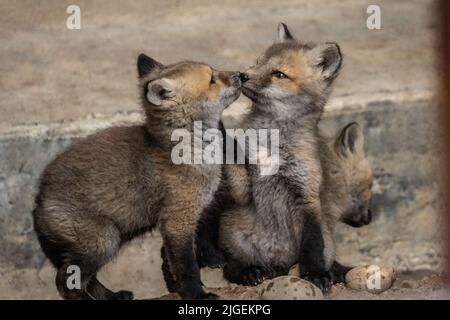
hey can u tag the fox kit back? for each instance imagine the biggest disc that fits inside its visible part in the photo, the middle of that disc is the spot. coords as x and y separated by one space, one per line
119 183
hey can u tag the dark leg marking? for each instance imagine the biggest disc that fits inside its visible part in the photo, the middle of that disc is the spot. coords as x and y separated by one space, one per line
232 271
171 284
311 259
186 271
208 255
338 272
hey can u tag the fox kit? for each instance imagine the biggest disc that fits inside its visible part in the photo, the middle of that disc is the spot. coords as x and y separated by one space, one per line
289 86
345 196
119 183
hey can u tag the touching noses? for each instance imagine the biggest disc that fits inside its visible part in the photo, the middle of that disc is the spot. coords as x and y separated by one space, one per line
243 76
235 80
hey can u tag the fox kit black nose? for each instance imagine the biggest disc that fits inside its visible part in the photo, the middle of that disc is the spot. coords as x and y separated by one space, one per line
243 76
236 80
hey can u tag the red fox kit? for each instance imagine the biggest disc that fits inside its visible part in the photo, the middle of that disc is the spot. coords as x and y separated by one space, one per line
289 86
119 183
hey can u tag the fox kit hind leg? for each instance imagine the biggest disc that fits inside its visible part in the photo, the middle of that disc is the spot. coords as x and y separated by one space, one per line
87 254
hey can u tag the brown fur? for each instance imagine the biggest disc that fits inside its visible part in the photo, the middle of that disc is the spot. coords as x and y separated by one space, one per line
121 182
239 183
294 63
348 178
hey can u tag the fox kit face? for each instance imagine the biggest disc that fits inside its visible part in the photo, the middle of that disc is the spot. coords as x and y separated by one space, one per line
357 174
290 71
193 89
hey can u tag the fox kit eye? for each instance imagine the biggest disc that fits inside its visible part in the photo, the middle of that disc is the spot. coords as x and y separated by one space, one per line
279 74
212 81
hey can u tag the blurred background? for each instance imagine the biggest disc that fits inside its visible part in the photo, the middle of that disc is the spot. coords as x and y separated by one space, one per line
57 85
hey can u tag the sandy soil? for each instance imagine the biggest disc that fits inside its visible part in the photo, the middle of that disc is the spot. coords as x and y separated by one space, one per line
39 284
417 285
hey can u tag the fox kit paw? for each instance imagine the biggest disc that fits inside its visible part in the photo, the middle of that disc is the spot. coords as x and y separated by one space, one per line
322 279
254 275
338 272
123 295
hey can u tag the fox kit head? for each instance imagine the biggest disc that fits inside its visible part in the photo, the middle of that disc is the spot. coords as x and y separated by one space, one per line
357 176
297 75
181 93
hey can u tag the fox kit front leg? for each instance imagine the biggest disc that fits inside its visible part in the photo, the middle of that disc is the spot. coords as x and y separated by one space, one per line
313 263
317 258
178 235
315 245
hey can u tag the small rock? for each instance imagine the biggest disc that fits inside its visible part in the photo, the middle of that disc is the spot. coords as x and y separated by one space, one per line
212 278
373 279
289 288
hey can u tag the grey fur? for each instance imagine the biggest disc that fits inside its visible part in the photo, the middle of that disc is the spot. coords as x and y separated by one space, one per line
272 240
269 231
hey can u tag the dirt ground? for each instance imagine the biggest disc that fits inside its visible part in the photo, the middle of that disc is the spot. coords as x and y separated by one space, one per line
407 286
132 270
412 285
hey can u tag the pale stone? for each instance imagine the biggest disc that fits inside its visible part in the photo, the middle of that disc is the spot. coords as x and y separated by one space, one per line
373 279
289 288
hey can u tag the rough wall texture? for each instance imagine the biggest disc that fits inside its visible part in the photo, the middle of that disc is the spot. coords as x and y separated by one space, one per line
401 144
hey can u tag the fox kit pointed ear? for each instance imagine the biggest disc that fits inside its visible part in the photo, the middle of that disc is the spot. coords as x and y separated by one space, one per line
351 140
283 33
145 65
328 58
160 90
